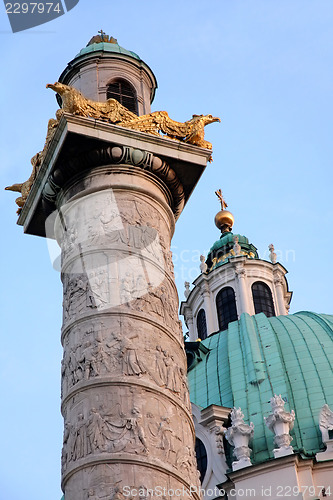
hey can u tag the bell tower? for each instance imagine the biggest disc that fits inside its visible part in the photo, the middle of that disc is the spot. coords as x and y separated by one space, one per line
233 281
110 189
104 69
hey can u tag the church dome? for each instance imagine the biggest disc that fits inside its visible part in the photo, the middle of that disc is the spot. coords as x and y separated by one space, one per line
222 250
258 357
107 47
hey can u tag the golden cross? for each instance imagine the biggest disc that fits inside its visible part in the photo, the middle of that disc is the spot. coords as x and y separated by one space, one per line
220 197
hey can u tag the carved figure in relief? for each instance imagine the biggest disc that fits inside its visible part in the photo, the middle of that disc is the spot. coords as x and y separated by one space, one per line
108 222
77 292
169 262
166 437
93 232
133 424
89 359
185 391
86 363
105 431
69 238
66 449
95 431
99 287
74 368
81 445
101 358
185 461
172 381
160 366
126 288
131 363
90 297
166 303
141 287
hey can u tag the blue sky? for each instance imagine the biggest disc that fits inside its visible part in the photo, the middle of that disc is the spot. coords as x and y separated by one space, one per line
265 67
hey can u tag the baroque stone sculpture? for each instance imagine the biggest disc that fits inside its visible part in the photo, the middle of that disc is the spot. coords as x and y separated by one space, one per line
187 289
281 423
326 429
203 265
239 435
236 248
272 254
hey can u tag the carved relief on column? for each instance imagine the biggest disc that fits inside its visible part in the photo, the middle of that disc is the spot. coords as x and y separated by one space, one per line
124 392
133 484
122 349
110 424
113 261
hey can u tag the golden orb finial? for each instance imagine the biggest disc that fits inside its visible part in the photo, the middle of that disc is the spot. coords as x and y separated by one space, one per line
224 220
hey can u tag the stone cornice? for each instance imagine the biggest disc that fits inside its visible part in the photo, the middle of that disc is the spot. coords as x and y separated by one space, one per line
274 464
177 164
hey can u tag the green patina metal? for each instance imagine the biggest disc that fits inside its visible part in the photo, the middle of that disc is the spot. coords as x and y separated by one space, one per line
107 47
258 357
222 250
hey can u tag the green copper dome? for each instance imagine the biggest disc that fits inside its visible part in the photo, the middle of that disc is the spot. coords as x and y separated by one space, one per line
222 250
107 47
258 357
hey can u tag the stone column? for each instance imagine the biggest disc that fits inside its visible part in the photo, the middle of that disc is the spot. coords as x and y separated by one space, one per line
281 303
190 325
244 305
125 399
208 308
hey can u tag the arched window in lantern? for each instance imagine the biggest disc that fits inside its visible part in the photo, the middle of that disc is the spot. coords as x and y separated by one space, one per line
226 307
262 299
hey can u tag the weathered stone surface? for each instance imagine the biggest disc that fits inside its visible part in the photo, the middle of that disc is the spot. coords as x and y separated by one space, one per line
125 397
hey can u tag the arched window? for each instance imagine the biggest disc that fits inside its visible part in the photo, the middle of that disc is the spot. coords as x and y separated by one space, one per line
226 307
202 325
201 454
262 299
124 93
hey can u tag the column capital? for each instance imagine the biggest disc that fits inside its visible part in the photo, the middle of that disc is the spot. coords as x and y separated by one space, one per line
108 144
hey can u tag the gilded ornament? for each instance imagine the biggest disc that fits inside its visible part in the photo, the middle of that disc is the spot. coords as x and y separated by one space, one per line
224 220
111 111
191 131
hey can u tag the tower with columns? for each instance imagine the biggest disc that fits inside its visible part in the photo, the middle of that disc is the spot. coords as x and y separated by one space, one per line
233 281
110 196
